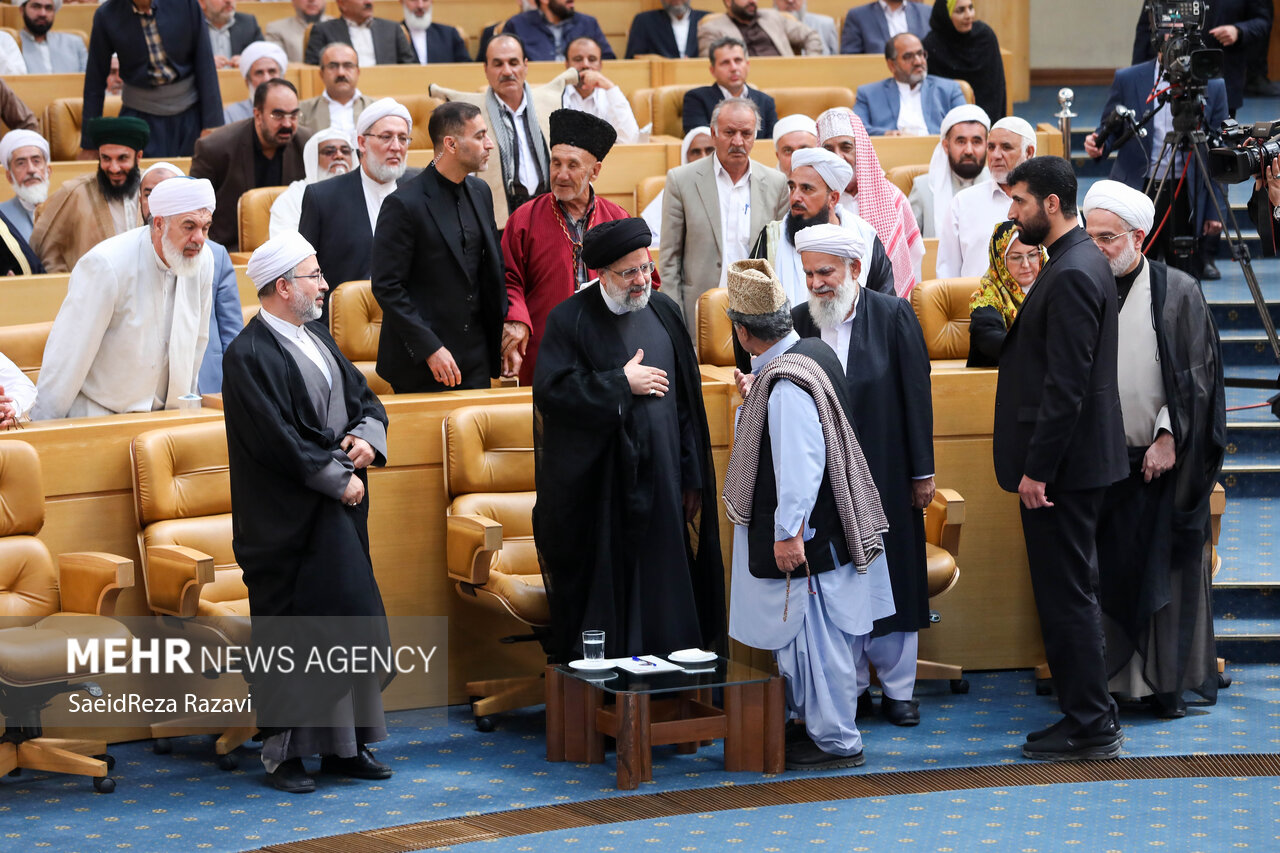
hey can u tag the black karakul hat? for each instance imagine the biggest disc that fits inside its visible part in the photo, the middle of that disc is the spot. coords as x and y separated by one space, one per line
609 241
582 130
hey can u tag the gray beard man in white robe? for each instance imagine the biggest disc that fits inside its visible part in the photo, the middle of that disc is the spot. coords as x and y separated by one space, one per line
132 331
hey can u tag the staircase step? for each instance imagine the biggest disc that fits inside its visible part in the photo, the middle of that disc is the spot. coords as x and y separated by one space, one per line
1246 545
1258 602
1252 439
1246 628
1247 482
1257 649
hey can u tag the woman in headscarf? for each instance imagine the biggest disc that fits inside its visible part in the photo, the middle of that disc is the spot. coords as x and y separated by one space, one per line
963 48
1014 267
696 145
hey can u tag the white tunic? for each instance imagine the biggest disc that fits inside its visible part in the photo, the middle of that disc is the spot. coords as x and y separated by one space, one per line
1142 402
963 245
130 335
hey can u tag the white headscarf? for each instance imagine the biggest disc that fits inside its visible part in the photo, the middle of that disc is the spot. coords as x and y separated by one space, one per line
15 139
1020 126
311 151
163 164
181 195
687 142
793 123
262 50
1133 206
835 172
278 256
379 110
831 239
940 167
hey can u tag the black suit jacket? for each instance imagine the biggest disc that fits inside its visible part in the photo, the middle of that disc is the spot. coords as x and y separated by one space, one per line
1057 416
444 44
651 33
244 32
699 102
426 300
390 47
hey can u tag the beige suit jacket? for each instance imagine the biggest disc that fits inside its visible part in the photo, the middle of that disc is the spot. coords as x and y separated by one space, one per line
313 113
74 220
691 253
546 100
288 32
789 36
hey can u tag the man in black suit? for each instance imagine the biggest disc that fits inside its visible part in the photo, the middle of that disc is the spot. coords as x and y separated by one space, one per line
431 41
339 215
1059 443
729 67
377 41
437 265
229 33
671 31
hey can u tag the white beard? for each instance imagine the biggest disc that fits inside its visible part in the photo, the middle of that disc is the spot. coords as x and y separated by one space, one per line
417 22
382 173
179 264
1126 260
32 194
304 309
829 313
335 169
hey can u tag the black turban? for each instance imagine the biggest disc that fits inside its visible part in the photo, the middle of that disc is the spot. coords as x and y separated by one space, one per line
130 131
609 241
582 130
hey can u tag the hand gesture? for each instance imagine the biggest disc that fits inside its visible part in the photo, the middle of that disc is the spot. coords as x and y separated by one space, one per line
1159 458
743 381
645 381
359 451
1032 493
444 368
1091 146
789 553
354 492
922 492
515 341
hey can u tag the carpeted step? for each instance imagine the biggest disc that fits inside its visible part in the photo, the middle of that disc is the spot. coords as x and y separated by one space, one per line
1245 640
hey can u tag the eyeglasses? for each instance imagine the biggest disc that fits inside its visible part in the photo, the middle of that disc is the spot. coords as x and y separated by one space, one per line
331 150
1020 259
1108 239
340 66
281 115
912 56
633 272
388 138
316 274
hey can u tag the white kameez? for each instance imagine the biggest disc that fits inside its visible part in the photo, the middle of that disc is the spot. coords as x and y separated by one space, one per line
108 351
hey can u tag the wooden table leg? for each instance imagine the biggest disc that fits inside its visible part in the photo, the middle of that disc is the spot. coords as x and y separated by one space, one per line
775 725
555 714
744 716
689 747
571 719
635 759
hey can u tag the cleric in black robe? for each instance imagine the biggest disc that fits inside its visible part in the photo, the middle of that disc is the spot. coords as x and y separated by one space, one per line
625 522
16 257
1154 538
302 425
886 368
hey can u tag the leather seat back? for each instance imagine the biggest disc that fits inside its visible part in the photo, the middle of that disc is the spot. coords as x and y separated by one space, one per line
24 345
420 108
253 216
28 582
489 449
355 321
903 176
715 332
667 109
63 119
647 190
810 101
942 307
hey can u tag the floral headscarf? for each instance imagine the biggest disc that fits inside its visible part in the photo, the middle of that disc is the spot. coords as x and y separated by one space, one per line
999 289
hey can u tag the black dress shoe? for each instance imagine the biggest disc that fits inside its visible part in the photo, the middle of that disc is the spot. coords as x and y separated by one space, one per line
900 712
1210 272
362 765
1060 746
795 733
866 706
1040 734
1167 706
291 777
807 755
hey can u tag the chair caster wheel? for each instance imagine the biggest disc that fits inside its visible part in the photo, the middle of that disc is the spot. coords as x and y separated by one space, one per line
959 685
110 759
162 746
1224 681
104 784
484 724
1044 686
230 761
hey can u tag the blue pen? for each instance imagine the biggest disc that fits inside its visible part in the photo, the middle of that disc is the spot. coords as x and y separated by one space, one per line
642 661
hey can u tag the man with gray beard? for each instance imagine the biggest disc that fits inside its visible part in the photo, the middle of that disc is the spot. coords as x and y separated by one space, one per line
25 155
132 332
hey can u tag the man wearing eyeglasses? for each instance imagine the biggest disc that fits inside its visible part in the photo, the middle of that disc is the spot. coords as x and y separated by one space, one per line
341 102
264 151
910 102
339 216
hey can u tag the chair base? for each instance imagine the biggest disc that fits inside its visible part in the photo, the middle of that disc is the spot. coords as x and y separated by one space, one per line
927 670
503 694
76 756
229 739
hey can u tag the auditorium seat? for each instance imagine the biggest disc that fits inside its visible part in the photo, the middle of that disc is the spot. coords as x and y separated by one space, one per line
355 321
182 501
253 216
647 190
43 606
715 332
62 123
420 108
666 109
810 101
489 547
943 519
902 176
942 307
666 104
24 345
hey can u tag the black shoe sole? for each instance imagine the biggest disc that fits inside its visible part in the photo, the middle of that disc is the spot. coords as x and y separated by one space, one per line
836 762
1093 753
291 789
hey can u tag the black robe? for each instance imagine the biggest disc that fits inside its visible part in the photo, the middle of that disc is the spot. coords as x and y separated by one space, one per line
887 375
601 496
11 246
1154 550
303 554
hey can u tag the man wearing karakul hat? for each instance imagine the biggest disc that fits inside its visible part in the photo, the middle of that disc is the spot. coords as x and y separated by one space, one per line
625 521
89 209
302 429
959 161
132 332
542 243
1154 555
809 573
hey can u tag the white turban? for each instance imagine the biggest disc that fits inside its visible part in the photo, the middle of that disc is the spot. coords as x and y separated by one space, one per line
311 151
687 142
835 172
837 121
278 256
1133 206
962 114
15 139
831 239
262 50
1020 126
181 195
163 164
379 110
793 123
57 5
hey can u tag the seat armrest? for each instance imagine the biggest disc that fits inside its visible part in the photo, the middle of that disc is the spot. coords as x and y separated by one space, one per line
175 575
470 543
950 502
949 505
91 581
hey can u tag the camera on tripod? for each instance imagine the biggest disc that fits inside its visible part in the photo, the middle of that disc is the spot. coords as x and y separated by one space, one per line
1175 26
1246 150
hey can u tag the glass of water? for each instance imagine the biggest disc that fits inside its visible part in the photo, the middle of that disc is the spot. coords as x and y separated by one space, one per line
593 645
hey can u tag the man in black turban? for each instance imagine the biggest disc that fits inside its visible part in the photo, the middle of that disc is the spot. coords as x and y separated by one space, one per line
626 521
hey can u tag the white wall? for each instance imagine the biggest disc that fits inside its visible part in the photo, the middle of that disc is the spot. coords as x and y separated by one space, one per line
1082 33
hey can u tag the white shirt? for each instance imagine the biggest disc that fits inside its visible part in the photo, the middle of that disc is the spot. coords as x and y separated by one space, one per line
910 111
680 29
16 385
1161 126
839 337
974 214
124 214
299 336
362 41
528 166
896 18
735 216
11 61
374 195
342 116
1143 406
419 39
608 104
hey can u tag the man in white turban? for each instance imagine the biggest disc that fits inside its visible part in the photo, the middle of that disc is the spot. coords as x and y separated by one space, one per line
878 342
302 430
817 176
1153 550
959 161
260 61
25 155
965 236
790 134
327 154
132 332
